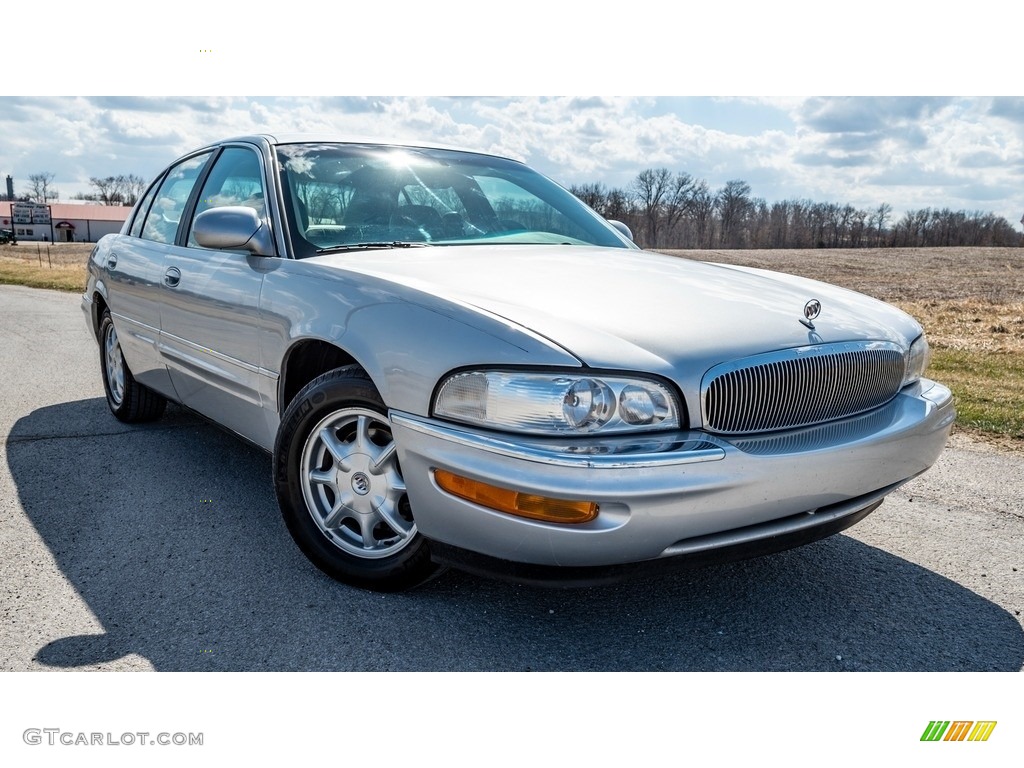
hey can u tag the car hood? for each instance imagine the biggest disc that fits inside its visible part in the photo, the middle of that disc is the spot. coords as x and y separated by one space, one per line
637 310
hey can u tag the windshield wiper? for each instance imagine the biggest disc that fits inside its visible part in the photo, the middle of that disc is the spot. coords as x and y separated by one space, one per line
371 246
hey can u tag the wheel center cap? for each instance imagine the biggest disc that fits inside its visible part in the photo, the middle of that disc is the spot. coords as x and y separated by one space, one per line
360 483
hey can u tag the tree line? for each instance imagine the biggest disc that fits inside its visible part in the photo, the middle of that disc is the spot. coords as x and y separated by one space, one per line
675 210
114 190
123 189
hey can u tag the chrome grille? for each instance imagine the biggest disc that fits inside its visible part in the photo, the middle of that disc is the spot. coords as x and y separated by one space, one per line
799 387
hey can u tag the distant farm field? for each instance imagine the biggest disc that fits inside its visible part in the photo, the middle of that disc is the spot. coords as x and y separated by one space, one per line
969 300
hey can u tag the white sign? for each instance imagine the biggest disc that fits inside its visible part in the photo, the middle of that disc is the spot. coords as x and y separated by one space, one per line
22 212
30 213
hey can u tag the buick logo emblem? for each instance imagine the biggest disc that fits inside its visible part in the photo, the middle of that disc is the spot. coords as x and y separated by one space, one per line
360 483
811 310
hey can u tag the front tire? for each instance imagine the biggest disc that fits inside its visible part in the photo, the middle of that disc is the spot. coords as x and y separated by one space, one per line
340 486
129 401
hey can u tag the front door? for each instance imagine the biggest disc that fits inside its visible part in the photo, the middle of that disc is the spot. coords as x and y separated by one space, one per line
210 310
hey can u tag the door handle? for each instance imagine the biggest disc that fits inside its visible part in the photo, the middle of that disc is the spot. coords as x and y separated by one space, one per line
172 277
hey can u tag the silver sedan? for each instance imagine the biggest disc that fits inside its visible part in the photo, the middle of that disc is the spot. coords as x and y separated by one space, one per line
454 361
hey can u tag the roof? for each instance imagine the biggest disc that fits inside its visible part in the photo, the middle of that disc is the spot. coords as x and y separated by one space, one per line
60 211
340 138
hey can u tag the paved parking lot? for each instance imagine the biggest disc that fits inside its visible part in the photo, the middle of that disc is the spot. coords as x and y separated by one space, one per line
161 547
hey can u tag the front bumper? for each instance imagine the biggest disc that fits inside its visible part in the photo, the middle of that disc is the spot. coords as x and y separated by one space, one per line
684 495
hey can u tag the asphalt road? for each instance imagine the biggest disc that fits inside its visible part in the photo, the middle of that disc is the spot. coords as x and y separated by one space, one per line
161 547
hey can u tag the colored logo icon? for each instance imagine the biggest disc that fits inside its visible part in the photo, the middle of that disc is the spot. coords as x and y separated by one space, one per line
958 730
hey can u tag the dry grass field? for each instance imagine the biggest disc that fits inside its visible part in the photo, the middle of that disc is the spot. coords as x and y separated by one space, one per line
970 301
60 254
59 266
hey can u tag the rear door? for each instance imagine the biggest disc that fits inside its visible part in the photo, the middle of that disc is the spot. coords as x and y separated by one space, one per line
135 267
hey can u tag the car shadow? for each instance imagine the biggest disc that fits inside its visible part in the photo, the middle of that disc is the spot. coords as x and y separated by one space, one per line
170 533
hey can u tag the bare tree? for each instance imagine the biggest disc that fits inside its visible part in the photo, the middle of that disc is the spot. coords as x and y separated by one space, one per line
41 189
678 201
778 222
732 202
648 189
833 217
800 226
857 227
759 219
661 199
134 186
618 208
116 190
702 209
107 190
593 195
881 217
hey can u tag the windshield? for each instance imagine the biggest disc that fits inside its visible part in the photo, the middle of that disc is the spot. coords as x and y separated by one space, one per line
339 195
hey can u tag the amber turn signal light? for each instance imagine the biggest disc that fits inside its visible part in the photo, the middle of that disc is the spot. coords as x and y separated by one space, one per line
515 502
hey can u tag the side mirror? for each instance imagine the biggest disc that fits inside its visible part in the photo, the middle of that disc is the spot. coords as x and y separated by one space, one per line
233 227
622 228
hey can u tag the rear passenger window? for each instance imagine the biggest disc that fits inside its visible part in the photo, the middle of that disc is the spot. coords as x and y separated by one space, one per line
164 216
140 214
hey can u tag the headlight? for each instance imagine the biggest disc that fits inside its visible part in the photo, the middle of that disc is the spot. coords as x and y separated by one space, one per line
556 403
917 360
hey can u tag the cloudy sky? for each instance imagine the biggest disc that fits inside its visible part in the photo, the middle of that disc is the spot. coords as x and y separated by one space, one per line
907 150
911 152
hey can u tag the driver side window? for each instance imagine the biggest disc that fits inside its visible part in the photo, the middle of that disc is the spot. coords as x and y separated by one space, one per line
236 179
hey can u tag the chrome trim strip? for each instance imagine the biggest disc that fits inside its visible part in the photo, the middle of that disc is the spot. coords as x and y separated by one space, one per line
205 350
191 345
204 370
678 448
127 319
134 325
790 524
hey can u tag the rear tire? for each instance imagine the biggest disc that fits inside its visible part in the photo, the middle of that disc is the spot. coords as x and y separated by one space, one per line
129 401
340 486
